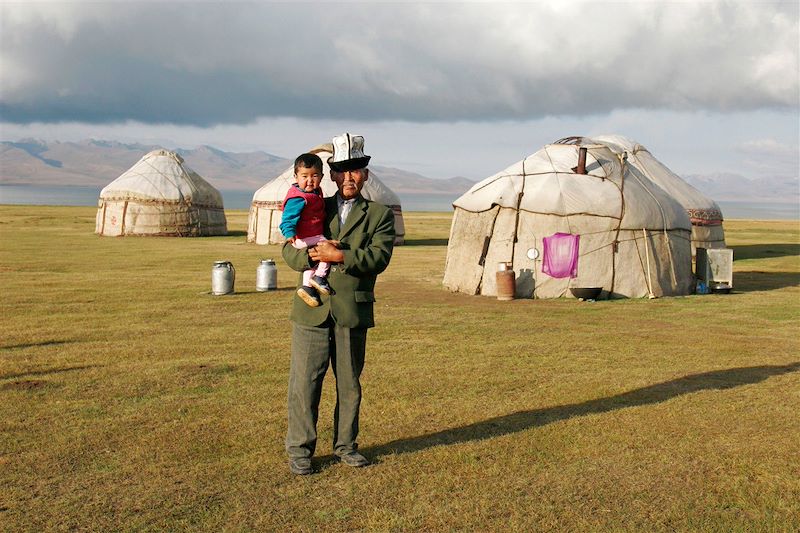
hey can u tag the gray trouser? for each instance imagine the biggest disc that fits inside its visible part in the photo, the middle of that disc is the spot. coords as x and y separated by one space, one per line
312 349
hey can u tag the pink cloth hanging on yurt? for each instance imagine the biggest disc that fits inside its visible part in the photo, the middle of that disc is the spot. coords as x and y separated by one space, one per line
560 257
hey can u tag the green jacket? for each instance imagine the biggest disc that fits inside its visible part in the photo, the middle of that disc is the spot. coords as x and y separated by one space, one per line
367 240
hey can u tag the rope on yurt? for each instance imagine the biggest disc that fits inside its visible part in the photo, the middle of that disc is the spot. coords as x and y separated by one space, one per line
558 174
524 173
181 199
189 176
489 183
516 219
623 160
647 257
254 225
156 171
103 223
122 222
666 233
486 243
671 259
663 223
195 193
638 251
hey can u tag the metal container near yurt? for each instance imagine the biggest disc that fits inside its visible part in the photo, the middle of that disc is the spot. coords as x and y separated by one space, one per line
223 276
266 276
506 281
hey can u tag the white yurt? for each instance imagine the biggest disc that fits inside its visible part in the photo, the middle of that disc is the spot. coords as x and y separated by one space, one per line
704 213
265 210
160 196
564 224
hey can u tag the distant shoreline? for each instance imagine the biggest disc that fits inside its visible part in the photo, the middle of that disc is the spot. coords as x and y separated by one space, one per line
87 196
427 202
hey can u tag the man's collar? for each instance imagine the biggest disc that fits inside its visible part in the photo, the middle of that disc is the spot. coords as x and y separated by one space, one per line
340 200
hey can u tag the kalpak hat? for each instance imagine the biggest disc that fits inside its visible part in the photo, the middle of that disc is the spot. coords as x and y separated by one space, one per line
348 153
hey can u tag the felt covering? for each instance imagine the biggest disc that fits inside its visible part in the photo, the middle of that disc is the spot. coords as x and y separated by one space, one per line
160 196
634 236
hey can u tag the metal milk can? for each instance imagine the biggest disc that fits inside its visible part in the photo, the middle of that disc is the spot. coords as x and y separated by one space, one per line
223 276
506 281
266 276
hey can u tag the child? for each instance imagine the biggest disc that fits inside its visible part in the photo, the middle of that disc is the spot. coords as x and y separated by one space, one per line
302 222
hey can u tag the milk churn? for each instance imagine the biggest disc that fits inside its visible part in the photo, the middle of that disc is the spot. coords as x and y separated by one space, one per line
223 276
506 281
266 276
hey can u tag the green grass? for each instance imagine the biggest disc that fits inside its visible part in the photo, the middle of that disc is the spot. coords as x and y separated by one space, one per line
132 399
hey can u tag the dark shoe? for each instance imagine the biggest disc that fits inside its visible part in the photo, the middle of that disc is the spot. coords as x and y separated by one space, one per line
354 459
300 466
321 284
309 295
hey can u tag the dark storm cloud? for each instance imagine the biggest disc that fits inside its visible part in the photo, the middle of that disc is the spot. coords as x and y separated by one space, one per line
204 64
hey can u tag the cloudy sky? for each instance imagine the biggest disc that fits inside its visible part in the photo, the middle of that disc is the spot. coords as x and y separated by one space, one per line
444 89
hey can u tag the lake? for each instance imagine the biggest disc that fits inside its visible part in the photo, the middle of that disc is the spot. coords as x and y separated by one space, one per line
87 196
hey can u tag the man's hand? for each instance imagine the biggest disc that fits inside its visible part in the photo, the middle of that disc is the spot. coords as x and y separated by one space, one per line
327 251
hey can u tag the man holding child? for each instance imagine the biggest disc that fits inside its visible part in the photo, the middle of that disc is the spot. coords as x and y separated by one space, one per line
359 236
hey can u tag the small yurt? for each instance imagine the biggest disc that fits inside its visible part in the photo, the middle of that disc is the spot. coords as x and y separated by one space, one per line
265 210
704 213
160 196
572 215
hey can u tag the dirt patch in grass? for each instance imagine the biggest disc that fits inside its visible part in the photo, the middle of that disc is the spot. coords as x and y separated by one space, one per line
26 385
206 370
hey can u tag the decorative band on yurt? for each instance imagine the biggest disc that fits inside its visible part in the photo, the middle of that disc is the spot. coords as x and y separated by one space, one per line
213 207
267 204
705 217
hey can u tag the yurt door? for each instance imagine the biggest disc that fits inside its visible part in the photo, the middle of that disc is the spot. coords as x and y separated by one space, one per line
114 224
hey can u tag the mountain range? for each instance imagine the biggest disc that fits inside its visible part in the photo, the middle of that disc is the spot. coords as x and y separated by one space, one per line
729 187
96 163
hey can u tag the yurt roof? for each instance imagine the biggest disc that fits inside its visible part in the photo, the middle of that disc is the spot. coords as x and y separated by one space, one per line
162 175
549 185
374 188
639 156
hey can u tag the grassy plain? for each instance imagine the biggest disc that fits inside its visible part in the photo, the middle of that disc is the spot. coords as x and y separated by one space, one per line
131 399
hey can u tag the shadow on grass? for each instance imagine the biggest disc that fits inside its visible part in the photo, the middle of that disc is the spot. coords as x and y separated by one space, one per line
764 251
523 420
425 242
231 233
246 292
33 344
45 372
764 281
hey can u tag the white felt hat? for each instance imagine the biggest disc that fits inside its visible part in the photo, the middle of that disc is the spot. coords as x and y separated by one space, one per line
348 153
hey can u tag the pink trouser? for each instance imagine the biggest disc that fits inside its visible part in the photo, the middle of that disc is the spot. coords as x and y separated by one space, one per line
322 266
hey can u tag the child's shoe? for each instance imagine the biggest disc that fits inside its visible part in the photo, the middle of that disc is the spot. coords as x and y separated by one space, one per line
309 296
321 284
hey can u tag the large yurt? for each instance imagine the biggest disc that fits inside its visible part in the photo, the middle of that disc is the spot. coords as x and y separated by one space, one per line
160 196
265 209
704 213
570 216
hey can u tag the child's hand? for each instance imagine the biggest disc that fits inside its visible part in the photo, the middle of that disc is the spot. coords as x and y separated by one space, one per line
292 239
